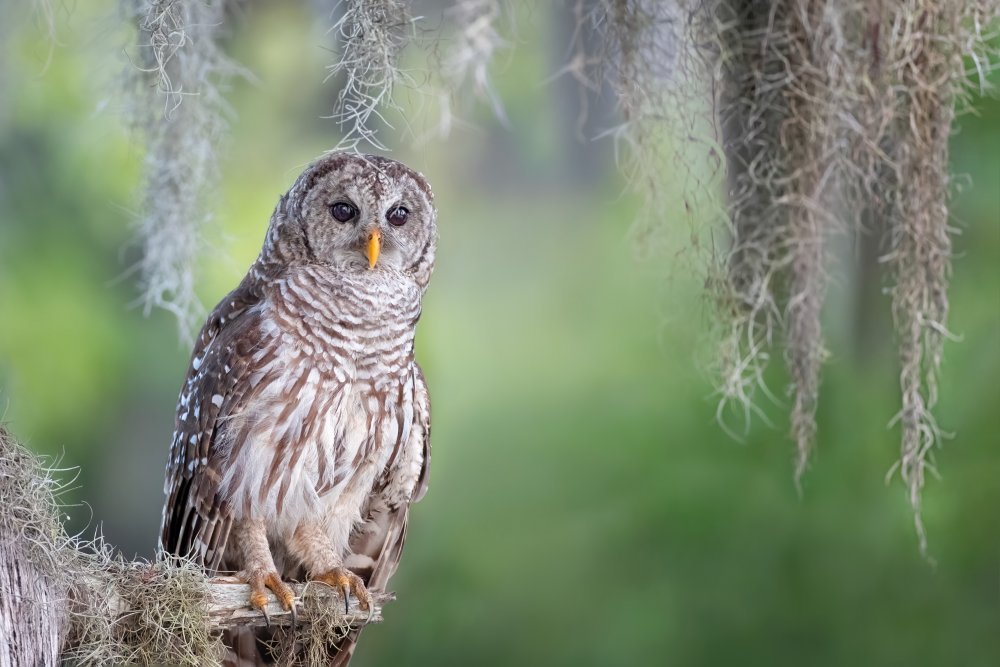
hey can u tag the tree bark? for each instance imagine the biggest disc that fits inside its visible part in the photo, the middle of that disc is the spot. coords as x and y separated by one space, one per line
33 615
39 613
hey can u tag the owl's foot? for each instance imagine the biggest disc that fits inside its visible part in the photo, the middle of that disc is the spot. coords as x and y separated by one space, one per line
260 582
347 583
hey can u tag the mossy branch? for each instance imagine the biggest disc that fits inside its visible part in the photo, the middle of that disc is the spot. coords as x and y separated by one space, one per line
67 599
225 603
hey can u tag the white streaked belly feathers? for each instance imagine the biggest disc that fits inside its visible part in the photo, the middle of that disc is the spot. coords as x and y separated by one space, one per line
332 403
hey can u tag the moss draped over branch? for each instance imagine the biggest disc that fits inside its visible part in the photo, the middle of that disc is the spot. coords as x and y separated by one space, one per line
72 599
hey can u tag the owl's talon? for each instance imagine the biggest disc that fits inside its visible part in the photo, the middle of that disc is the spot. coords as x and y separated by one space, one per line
267 617
262 581
347 583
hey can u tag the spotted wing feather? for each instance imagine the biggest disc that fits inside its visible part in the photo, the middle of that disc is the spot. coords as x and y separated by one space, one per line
196 521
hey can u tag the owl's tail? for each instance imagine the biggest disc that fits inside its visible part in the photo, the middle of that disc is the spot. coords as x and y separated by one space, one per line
345 649
246 647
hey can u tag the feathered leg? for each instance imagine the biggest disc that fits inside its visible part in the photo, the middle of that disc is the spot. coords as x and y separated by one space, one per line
258 567
313 548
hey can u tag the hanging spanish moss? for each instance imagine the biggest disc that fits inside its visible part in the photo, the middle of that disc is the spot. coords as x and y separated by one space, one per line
925 44
370 36
647 63
827 117
833 113
178 79
781 128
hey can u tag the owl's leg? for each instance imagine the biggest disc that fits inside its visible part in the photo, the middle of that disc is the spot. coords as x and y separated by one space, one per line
311 545
258 568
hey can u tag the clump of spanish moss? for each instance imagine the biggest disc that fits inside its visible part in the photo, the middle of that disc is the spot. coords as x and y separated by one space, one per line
34 545
924 47
178 78
779 67
166 621
644 60
315 642
831 117
370 35
77 598
833 113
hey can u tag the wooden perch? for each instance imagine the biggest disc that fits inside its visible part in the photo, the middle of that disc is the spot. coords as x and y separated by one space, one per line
62 598
228 607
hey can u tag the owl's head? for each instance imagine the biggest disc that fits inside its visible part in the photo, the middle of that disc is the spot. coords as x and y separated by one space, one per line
357 213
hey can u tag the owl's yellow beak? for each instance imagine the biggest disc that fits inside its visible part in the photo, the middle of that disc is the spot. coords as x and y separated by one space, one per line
374 245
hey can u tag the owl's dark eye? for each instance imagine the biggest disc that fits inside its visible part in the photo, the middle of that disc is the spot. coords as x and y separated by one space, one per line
397 216
343 212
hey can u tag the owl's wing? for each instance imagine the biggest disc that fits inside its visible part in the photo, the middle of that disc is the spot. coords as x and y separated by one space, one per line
422 416
196 522
378 546
383 538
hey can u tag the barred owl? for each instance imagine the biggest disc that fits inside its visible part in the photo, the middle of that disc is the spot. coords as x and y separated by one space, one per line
303 427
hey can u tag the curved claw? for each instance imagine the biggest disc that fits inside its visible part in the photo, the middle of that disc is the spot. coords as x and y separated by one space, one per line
347 583
267 616
262 581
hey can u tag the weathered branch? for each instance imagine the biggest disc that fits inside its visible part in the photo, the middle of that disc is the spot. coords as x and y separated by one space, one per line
63 599
227 605
171 614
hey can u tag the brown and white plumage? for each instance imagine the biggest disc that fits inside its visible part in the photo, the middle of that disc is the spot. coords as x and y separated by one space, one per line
303 427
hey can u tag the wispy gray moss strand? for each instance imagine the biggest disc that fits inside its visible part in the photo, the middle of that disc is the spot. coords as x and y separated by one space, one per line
178 77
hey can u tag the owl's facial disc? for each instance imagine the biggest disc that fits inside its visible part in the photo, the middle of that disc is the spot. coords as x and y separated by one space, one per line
364 215
373 247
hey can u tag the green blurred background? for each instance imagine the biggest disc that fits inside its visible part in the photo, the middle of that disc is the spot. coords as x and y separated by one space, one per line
585 507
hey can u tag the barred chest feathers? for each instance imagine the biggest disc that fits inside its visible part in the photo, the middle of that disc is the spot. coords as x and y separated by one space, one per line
332 404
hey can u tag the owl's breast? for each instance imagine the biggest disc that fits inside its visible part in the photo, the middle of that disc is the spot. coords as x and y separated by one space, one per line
350 329
332 404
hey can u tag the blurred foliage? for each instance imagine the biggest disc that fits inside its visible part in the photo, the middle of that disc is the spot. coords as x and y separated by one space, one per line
585 507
